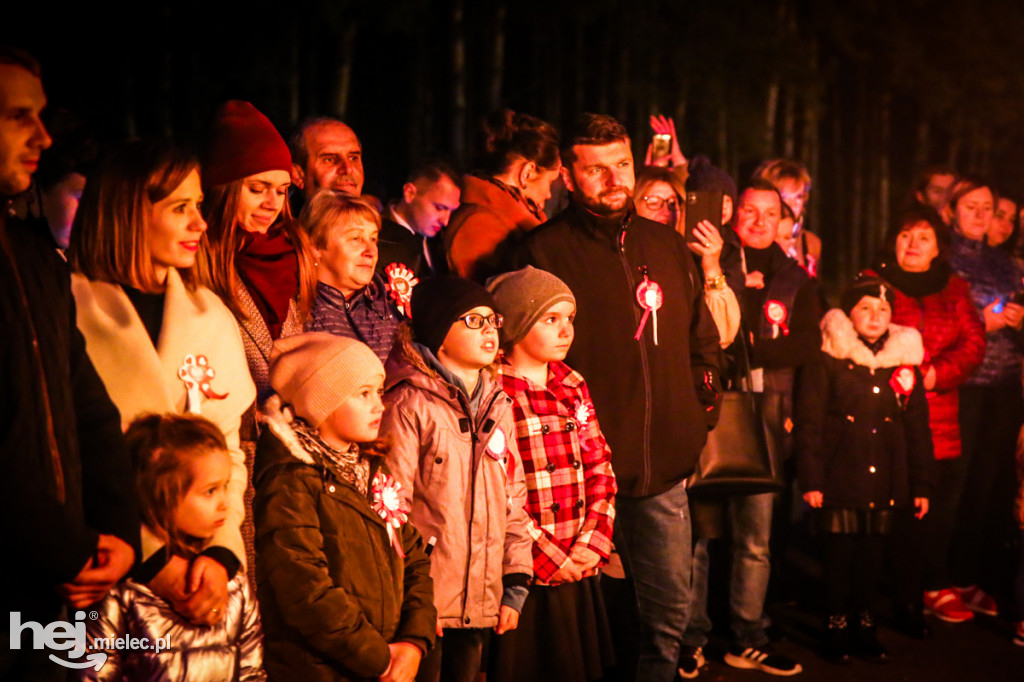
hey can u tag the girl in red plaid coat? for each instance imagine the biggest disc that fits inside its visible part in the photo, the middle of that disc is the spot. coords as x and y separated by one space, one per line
563 630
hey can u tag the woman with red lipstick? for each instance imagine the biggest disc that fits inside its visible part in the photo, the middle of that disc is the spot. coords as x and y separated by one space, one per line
259 261
931 298
160 342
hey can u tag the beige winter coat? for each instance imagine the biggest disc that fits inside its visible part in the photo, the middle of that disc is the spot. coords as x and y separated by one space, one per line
459 485
141 378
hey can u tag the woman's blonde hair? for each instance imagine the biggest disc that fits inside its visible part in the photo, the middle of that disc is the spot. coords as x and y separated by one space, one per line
162 448
216 265
109 239
328 208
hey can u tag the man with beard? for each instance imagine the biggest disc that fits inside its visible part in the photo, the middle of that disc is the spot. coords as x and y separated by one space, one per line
648 347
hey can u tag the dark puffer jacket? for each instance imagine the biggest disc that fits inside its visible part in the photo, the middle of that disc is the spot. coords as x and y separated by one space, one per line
855 442
333 592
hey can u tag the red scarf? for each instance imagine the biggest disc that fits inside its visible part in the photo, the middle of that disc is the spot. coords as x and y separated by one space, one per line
269 268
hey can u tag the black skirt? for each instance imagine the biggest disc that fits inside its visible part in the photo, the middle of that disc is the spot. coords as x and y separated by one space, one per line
563 635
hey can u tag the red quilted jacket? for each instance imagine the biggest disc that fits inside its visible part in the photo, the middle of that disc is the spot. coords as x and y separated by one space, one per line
954 344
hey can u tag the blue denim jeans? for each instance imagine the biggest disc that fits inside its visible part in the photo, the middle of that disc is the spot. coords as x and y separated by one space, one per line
750 521
652 535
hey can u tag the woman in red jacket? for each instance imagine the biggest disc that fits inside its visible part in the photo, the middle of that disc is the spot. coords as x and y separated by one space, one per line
936 302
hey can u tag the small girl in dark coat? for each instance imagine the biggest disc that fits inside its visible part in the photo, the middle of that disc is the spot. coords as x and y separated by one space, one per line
343 580
864 451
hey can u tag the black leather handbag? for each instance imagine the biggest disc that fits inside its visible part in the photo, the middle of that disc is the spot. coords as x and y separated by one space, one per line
741 455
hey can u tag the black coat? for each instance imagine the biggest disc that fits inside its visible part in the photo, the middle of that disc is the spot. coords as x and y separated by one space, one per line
654 406
856 443
53 507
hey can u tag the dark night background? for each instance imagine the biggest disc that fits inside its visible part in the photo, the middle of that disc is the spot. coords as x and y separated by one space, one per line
865 92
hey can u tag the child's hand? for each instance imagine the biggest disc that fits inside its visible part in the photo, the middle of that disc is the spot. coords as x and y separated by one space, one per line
508 620
921 503
585 560
405 662
755 280
569 573
815 498
930 378
114 557
440 630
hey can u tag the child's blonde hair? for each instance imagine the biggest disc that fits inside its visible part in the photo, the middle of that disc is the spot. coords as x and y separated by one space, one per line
162 446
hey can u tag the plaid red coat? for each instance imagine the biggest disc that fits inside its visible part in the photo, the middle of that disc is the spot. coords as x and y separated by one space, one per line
571 487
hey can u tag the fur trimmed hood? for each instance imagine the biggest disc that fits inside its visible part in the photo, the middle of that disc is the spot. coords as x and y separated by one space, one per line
840 340
278 418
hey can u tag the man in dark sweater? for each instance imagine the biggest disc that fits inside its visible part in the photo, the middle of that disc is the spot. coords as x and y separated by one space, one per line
71 526
410 225
648 347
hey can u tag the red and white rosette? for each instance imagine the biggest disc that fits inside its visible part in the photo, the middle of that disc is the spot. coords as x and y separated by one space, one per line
401 281
650 297
902 381
389 506
777 313
582 412
196 373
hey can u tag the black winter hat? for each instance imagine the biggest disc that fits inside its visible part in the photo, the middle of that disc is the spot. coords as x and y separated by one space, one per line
866 285
437 304
705 177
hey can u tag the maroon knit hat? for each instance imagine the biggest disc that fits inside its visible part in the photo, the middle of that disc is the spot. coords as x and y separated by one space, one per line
242 142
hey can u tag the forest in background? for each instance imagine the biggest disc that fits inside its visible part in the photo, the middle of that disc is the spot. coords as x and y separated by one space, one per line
865 92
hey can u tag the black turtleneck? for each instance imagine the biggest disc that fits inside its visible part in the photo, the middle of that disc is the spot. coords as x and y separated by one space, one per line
916 284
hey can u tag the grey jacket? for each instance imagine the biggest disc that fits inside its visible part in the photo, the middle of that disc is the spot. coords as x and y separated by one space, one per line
229 650
463 476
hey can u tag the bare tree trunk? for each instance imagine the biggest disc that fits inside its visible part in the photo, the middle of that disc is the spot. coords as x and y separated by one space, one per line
858 168
294 70
770 114
458 81
789 124
606 68
497 58
956 133
165 85
579 60
343 72
884 180
922 146
723 141
622 85
420 122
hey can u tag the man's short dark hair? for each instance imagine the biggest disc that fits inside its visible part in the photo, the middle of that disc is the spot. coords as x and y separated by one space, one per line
759 185
432 170
297 141
14 56
592 130
926 175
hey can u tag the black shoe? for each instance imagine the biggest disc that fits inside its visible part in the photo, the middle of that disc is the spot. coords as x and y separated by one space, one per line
835 648
691 660
866 641
911 622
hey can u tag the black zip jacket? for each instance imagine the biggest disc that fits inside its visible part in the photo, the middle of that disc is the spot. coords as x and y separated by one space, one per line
53 502
655 402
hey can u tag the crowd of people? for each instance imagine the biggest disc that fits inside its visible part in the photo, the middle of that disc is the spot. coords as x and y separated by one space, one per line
291 431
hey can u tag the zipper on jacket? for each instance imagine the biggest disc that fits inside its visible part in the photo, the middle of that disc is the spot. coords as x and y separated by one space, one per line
473 440
646 480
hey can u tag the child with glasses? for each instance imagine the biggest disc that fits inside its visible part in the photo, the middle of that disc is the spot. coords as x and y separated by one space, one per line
454 454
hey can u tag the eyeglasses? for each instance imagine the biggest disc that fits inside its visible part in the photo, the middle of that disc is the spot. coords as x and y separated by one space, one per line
657 203
476 320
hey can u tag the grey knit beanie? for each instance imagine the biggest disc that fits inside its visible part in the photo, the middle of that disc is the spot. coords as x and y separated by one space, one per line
522 297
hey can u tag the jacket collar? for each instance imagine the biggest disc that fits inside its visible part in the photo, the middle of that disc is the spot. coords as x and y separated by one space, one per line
253 325
558 373
601 227
840 340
